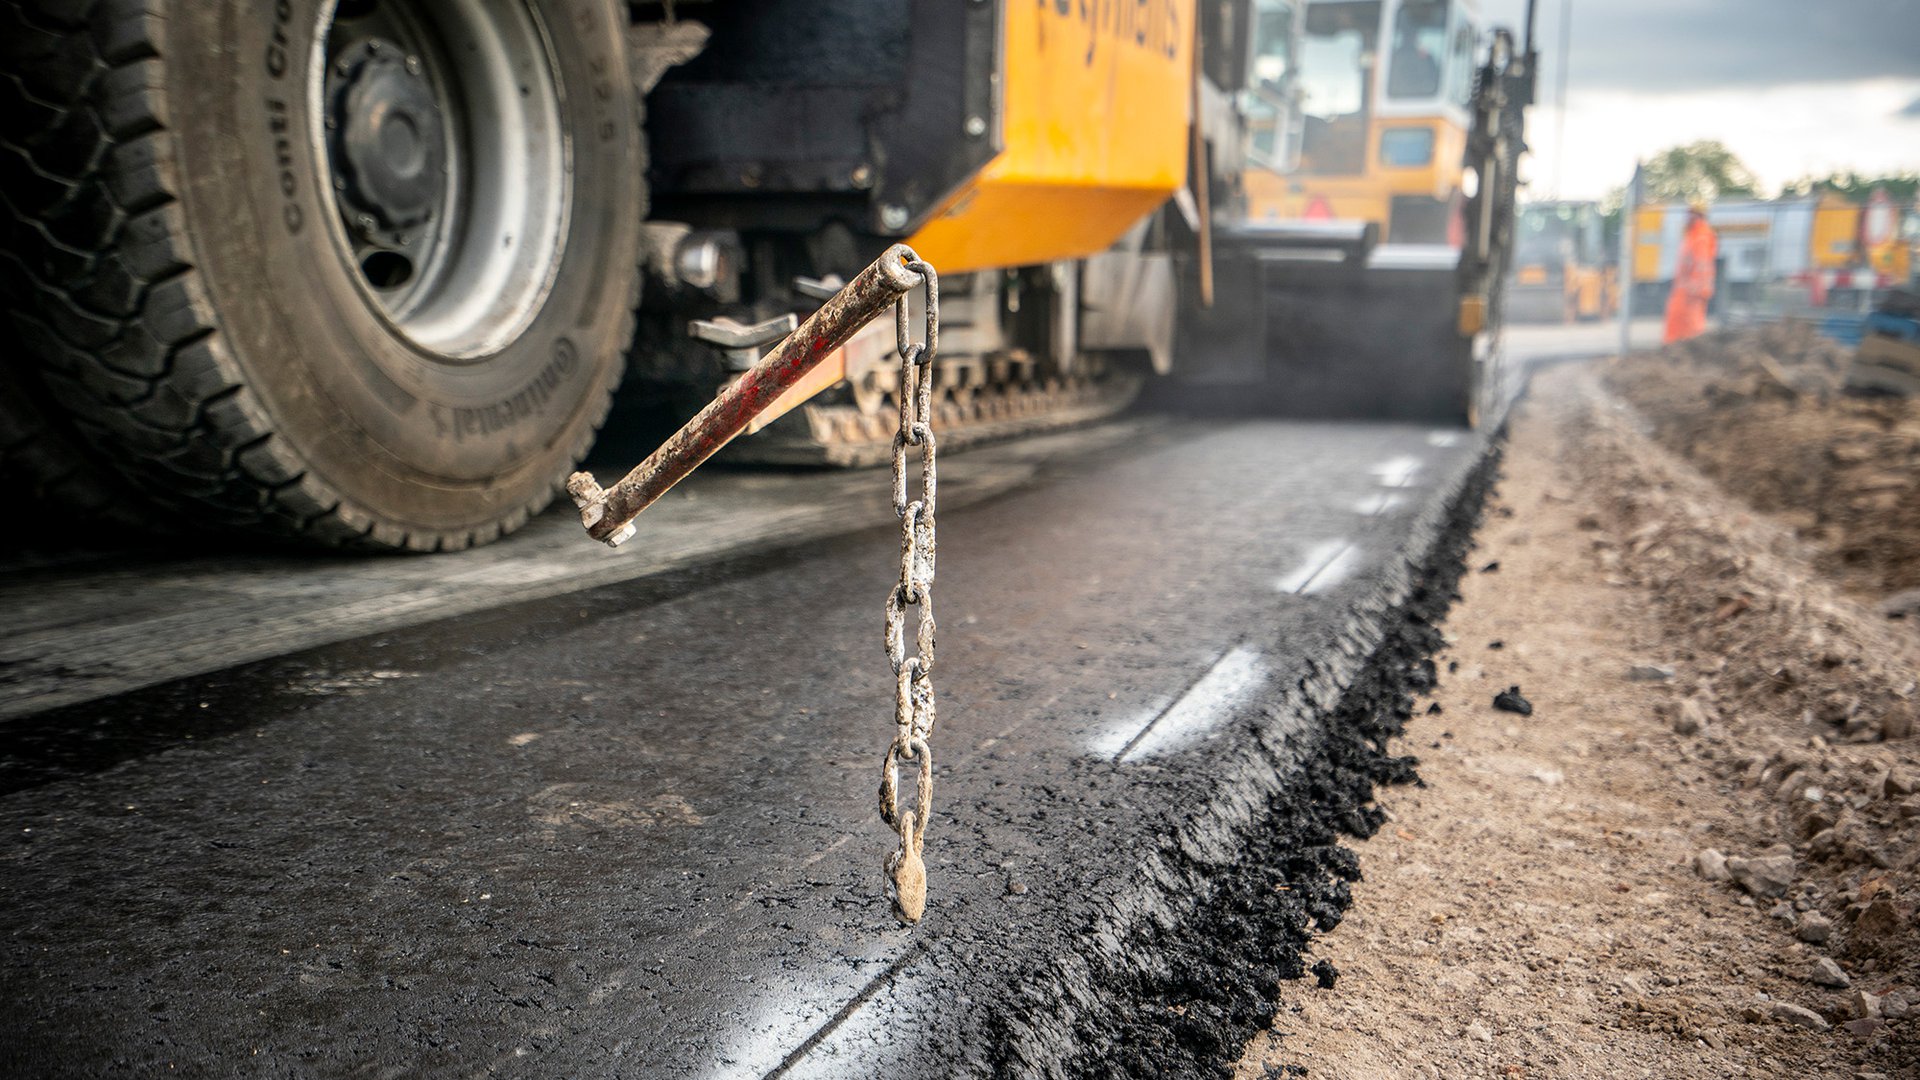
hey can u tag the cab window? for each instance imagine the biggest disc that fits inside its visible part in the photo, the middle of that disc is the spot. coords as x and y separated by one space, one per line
1270 79
1337 56
1546 236
1420 48
1460 67
1272 45
1336 65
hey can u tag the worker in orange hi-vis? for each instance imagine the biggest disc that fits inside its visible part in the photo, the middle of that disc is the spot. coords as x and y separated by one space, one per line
1692 278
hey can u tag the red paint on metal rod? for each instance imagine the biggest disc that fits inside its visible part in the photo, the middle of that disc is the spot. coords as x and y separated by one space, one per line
607 512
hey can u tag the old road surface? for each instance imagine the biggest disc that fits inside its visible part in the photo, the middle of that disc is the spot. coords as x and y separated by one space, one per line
547 809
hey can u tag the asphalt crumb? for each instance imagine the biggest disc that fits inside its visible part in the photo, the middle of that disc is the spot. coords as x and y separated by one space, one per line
1325 974
1511 700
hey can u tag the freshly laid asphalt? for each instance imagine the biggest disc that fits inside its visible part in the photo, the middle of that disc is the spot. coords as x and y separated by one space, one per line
622 823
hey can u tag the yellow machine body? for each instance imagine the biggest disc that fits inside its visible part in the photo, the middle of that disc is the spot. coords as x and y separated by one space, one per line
1836 227
1648 240
1594 292
1366 196
1095 133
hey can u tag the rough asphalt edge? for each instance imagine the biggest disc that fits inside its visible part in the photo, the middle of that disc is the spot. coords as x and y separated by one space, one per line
1175 973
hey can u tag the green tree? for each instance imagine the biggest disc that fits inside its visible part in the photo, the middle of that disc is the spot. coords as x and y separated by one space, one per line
1901 187
1700 171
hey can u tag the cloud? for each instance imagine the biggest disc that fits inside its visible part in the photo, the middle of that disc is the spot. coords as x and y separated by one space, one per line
1781 133
1662 46
1795 88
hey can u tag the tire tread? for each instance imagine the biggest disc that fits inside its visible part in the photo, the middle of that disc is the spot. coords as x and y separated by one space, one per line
97 275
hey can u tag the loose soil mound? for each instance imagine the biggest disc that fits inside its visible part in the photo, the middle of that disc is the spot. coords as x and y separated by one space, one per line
1763 413
1698 855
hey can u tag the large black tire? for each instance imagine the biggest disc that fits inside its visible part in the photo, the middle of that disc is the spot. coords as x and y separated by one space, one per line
173 263
45 465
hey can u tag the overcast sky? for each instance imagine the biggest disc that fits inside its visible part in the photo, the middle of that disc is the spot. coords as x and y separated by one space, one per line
1792 86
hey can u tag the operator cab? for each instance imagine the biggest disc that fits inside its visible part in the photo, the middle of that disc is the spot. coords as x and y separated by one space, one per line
1386 87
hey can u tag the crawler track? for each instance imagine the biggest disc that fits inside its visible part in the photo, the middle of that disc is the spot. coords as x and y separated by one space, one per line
859 431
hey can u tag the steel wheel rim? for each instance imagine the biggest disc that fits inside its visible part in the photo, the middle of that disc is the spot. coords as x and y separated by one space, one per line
439 122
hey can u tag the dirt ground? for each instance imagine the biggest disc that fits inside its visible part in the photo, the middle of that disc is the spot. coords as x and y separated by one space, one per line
1696 857
1763 414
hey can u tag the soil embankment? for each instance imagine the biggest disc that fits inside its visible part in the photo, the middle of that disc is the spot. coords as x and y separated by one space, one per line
1698 855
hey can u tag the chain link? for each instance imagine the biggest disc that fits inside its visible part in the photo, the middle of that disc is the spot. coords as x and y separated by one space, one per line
913 703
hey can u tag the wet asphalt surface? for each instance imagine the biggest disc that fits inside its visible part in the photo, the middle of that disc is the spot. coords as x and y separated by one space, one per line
630 830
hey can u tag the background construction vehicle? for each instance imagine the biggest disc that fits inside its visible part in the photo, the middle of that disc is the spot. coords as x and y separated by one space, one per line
1387 89
1565 267
368 273
1377 266
1818 251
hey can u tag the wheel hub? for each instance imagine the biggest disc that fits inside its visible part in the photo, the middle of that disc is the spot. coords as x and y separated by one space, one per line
442 123
390 142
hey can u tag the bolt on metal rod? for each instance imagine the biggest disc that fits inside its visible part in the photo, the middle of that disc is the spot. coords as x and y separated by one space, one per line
608 513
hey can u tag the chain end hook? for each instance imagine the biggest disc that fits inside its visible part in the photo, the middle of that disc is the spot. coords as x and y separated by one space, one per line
907 876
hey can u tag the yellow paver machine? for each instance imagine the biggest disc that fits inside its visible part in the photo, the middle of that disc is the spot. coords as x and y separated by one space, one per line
371 273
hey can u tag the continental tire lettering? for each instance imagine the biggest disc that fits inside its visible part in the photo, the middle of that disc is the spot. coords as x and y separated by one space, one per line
528 401
277 39
607 129
280 127
603 93
566 356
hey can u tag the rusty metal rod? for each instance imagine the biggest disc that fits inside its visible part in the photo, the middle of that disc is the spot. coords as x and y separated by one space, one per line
1202 168
608 513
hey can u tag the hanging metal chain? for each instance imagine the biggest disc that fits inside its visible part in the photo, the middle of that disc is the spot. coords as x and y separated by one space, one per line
608 513
913 704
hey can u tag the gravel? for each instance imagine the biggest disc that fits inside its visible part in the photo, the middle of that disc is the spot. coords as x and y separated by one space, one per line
1764 876
1690 718
1827 973
1865 1028
1814 928
1794 1014
1712 865
1539 911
